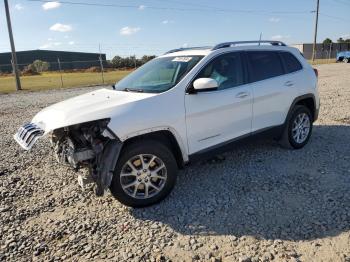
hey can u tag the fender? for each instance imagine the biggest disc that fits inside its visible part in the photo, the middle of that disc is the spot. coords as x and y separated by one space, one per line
177 137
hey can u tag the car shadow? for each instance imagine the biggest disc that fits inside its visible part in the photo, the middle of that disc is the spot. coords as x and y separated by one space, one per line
262 190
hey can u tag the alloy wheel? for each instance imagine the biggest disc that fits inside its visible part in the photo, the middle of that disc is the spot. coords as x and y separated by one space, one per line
301 128
143 176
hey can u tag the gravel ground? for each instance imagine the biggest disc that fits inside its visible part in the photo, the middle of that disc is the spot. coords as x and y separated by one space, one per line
258 203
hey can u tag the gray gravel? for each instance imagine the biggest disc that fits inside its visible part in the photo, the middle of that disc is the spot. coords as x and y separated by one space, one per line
256 203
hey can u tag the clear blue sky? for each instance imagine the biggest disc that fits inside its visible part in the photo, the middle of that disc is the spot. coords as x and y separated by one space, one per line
140 29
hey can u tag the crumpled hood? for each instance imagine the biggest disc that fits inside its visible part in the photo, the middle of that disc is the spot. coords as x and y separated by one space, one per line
99 104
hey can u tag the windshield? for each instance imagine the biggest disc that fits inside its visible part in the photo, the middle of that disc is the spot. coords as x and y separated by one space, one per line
159 74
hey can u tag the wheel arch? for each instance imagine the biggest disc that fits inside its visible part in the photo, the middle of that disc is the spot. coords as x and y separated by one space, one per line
307 100
166 136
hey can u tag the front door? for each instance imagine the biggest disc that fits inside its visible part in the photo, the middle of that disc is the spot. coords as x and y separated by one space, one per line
217 116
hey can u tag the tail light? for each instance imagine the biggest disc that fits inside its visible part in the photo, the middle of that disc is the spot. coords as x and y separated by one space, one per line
316 72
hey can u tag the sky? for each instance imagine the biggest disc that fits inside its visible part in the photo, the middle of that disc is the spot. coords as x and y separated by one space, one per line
128 27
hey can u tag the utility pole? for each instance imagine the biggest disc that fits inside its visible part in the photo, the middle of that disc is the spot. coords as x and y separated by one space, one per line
13 50
315 34
330 51
101 64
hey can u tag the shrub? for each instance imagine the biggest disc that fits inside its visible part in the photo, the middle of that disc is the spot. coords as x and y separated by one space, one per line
37 66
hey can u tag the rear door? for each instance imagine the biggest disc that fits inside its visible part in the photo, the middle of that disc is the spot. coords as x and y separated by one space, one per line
273 92
295 75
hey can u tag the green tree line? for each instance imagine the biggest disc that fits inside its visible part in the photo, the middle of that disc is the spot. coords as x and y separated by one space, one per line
339 40
129 62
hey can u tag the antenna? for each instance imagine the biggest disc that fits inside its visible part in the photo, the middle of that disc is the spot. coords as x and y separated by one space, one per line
260 38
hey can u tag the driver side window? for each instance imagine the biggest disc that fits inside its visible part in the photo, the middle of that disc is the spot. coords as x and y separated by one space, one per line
226 69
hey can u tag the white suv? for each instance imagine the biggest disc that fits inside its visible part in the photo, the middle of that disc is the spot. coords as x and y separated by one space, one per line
176 108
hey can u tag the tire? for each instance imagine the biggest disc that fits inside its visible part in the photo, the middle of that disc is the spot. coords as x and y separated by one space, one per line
346 60
288 139
138 164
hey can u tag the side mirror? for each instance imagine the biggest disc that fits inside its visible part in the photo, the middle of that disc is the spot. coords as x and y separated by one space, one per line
205 84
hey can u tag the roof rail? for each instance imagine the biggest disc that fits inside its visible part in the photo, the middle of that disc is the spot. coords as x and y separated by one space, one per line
229 44
187 48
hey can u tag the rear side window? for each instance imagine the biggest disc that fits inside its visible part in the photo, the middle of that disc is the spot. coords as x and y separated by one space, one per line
292 64
264 65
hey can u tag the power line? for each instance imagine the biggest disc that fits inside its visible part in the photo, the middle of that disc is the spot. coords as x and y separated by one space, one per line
185 3
335 17
179 8
342 2
209 9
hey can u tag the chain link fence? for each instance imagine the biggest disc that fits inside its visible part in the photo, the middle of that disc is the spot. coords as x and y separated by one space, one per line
327 52
62 74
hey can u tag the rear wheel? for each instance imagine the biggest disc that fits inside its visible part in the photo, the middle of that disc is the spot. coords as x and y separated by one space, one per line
145 174
346 60
298 129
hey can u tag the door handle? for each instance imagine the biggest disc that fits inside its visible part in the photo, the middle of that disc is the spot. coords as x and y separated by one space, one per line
289 83
242 94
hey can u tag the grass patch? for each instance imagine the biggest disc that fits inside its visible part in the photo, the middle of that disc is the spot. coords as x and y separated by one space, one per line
52 80
322 61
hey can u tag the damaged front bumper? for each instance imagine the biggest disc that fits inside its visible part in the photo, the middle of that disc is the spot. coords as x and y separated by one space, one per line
89 145
105 165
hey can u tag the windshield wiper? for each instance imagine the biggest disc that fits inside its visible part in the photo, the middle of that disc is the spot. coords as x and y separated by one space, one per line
133 90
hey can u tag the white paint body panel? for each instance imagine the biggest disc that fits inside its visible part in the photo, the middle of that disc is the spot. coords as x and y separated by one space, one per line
272 100
215 117
95 105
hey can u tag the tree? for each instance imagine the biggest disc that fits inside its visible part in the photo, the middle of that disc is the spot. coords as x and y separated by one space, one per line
146 58
117 62
38 66
130 61
327 41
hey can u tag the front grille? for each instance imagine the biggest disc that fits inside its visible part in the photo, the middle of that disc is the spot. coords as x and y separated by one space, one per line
27 135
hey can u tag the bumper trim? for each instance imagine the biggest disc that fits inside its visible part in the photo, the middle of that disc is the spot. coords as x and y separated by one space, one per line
27 135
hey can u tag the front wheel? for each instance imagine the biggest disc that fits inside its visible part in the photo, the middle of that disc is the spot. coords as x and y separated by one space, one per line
298 128
346 60
145 174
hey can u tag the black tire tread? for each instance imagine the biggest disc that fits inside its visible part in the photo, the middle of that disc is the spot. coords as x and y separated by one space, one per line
286 141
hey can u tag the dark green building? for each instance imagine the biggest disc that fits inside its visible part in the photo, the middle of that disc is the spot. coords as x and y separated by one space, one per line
68 60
